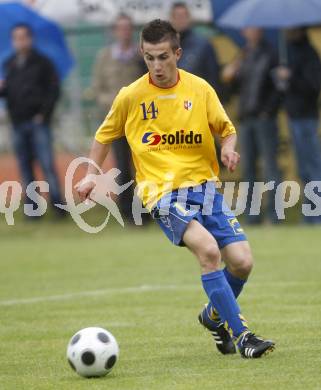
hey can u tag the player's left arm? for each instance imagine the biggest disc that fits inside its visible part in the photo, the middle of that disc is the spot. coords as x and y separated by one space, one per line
221 125
229 157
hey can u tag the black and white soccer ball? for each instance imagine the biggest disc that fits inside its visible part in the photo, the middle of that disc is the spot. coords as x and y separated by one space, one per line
92 352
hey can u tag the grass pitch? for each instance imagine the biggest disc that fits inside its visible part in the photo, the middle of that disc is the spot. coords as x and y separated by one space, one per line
55 280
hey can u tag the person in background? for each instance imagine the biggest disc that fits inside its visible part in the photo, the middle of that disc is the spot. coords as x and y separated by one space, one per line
199 56
252 76
31 89
117 66
300 82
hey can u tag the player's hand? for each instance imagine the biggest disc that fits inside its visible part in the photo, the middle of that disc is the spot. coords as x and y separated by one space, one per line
230 159
85 187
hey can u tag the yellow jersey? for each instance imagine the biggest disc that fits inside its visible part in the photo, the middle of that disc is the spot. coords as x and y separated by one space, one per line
170 133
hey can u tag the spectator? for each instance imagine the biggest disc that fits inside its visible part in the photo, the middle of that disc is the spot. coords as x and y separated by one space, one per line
258 107
198 56
117 66
31 89
301 82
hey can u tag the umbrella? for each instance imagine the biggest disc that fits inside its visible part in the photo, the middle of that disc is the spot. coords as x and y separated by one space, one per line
219 7
272 14
48 36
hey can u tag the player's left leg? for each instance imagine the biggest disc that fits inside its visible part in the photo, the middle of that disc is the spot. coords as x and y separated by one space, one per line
239 262
206 250
238 259
236 253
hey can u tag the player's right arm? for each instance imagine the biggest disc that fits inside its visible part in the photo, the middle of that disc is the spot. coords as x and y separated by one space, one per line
98 154
111 129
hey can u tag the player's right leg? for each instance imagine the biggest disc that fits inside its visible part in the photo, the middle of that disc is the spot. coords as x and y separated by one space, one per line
212 322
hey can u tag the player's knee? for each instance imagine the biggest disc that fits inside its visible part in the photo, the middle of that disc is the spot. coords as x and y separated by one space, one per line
210 256
243 267
246 266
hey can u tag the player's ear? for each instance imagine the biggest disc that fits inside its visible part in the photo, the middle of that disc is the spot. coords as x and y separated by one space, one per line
178 53
141 47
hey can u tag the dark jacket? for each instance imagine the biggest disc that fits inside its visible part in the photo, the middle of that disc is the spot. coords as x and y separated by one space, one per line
258 95
31 88
199 58
301 97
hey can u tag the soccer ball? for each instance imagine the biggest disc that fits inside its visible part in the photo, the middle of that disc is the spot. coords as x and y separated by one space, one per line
92 352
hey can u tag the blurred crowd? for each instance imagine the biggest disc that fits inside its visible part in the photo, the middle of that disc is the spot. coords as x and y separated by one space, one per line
263 84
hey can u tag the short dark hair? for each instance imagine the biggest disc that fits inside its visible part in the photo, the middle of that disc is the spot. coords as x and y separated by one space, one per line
25 26
158 31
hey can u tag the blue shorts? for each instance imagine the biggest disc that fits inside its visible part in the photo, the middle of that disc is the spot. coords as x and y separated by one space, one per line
203 203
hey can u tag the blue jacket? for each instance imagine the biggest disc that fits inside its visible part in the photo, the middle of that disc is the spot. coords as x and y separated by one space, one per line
199 58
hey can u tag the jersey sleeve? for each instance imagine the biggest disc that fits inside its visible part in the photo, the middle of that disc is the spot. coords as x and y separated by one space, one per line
113 127
218 120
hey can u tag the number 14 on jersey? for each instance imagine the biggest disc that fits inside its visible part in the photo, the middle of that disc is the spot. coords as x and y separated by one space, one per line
149 112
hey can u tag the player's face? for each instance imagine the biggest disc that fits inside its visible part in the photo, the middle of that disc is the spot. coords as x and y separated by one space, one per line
161 61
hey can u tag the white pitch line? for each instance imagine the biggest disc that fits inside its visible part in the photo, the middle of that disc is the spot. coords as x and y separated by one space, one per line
137 289
95 293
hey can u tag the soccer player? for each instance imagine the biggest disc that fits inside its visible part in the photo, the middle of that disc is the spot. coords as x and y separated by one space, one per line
169 117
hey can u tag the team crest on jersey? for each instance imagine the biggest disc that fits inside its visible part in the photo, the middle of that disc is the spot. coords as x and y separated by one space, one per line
188 105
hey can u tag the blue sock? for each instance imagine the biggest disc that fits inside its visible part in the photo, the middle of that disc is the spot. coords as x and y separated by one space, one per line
236 286
222 298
